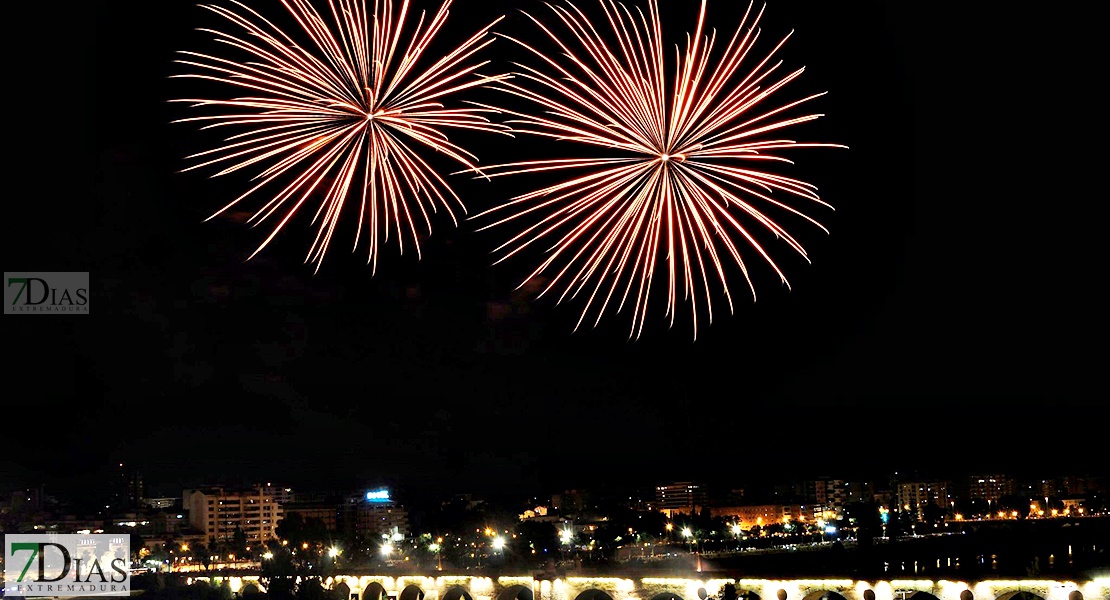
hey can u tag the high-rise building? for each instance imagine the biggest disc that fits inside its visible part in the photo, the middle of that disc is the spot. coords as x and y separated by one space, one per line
571 502
326 512
913 496
374 515
218 512
833 495
683 497
127 492
282 495
989 487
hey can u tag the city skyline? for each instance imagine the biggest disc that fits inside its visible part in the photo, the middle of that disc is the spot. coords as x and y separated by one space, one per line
127 488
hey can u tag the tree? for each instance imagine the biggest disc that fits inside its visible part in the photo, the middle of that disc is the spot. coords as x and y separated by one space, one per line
291 529
932 514
239 542
278 572
207 552
541 537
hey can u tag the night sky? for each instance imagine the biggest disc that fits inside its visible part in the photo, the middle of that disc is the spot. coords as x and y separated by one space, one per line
949 321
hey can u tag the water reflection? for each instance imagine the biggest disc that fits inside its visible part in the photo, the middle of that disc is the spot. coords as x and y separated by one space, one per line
1048 560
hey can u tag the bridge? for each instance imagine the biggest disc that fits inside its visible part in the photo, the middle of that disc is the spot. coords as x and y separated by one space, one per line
541 587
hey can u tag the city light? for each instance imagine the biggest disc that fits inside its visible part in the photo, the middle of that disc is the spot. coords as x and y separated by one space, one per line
498 543
736 529
686 532
433 547
268 555
333 552
386 549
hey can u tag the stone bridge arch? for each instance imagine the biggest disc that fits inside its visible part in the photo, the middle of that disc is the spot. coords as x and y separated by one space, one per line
411 592
457 592
593 594
375 591
516 592
824 595
1020 595
1016 590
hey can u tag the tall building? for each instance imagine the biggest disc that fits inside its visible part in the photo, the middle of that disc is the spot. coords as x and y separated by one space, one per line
127 492
218 512
833 495
282 495
571 502
989 487
683 497
913 496
373 515
326 512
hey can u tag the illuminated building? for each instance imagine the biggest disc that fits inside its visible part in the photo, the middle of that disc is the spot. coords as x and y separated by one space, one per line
680 498
915 495
218 512
989 487
373 514
282 495
766 514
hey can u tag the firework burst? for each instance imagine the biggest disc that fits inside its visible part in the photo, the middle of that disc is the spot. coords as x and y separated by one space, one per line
341 112
683 178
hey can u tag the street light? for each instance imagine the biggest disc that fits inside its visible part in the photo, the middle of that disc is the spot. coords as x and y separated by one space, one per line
686 533
434 548
565 537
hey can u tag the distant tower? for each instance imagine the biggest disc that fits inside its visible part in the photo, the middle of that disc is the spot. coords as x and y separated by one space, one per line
127 492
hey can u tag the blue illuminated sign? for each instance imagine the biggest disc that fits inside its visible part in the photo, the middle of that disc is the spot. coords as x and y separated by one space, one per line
377 496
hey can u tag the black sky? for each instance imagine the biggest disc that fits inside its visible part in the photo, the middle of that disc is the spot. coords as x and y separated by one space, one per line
951 318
